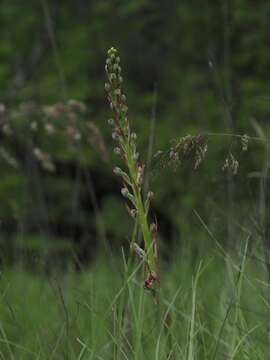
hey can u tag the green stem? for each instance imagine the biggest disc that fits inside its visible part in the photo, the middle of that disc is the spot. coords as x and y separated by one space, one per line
142 216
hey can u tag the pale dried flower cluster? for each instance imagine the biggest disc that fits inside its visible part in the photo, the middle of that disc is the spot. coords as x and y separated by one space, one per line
190 147
231 165
61 121
45 159
244 142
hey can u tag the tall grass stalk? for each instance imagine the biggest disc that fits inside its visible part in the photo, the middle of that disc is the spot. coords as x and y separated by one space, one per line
133 175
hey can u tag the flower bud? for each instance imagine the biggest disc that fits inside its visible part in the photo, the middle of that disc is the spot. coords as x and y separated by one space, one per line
117 170
140 174
133 213
117 151
125 192
115 136
124 108
107 87
117 92
111 122
133 136
150 195
112 52
244 141
139 251
113 76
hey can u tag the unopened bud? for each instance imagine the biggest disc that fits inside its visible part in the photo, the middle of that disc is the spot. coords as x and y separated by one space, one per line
244 141
111 122
140 175
117 170
133 136
115 136
107 87
133 213
113 76
117 151
125 192
139 251
117 92
150 195
112 52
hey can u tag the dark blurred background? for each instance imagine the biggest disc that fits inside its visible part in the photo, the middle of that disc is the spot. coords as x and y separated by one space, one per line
190 67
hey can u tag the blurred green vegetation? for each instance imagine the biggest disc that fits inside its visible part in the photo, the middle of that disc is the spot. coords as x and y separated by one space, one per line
209 64
189 67
93 314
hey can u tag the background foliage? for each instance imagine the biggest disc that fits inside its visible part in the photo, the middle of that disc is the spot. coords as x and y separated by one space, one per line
209 65
196 68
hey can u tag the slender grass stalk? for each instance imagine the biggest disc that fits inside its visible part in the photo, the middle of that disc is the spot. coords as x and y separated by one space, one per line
133 177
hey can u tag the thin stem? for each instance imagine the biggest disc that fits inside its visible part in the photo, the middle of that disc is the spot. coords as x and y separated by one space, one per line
255 138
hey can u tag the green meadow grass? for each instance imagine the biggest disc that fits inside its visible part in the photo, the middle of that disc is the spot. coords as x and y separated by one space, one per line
218 308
